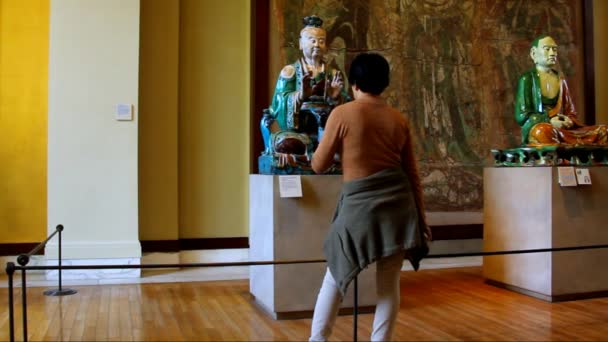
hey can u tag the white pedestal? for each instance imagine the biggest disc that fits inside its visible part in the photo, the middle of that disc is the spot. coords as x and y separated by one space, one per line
285 229
526 208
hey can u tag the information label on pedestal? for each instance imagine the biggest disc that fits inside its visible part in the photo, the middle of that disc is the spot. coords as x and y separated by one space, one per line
566 176
583 177
290 186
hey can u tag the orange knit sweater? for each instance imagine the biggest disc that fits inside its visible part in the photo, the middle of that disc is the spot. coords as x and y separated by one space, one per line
370 136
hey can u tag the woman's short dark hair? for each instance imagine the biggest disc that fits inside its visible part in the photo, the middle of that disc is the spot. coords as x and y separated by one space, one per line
370 72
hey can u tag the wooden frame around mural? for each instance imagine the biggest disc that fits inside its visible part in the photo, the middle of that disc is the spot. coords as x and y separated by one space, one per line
588 51
260 42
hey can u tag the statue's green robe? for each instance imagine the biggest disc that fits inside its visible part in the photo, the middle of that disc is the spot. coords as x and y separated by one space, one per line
285 103
529 109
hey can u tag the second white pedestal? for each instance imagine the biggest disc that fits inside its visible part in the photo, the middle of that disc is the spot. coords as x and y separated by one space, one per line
526 208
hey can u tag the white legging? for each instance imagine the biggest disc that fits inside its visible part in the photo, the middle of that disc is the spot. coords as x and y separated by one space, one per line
387 305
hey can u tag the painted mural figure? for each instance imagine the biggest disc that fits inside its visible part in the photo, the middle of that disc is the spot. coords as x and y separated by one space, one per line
543 105
305 93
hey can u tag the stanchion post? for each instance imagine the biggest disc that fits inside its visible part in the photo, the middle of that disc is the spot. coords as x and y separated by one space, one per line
60 229
60 291
10 271
24 303
355 309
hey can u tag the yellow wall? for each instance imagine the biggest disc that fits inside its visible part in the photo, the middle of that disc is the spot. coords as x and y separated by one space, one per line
158 118
214 118
600 37
24 50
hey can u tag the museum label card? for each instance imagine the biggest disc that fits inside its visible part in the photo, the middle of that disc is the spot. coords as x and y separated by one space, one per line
565 175
290 186
583 177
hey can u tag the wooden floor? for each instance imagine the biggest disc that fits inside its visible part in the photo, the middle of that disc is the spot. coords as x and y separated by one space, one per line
436 305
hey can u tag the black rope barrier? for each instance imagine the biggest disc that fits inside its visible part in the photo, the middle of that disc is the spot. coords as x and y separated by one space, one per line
286 262
24 259
189 265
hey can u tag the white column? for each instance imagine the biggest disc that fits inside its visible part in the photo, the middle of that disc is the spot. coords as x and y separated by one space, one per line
92 157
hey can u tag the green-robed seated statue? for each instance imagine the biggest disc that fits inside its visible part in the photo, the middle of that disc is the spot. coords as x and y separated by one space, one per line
544 107
304 96
551 133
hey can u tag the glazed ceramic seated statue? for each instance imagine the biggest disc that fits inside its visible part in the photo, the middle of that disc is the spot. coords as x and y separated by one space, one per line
305 93
544 108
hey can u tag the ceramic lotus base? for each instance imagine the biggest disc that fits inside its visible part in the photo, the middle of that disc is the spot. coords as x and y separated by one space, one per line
552 156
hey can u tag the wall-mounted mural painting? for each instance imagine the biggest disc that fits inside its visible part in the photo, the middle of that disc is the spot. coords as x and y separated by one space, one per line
454 66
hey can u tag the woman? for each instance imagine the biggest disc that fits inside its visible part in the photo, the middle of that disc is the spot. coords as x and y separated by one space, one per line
380 215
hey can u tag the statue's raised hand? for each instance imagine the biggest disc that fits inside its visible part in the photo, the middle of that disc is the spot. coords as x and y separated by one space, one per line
336 85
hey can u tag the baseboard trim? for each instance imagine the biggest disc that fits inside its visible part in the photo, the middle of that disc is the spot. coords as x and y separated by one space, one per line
10 249
165 246
457 232
447 232
193 244
214 243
